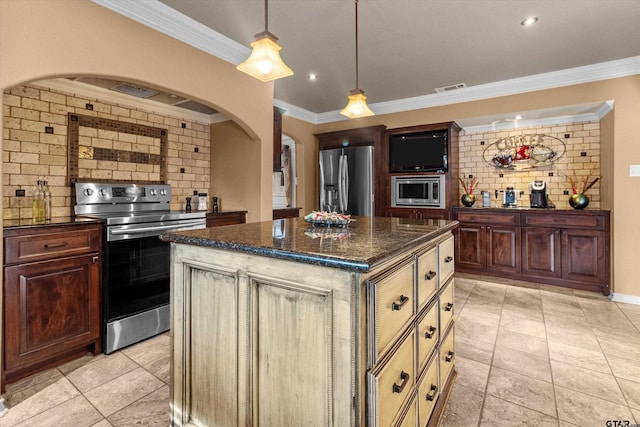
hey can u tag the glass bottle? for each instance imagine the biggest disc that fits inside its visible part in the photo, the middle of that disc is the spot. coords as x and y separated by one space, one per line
38 203
46 195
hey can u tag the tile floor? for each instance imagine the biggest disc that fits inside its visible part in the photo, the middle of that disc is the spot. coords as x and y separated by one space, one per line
527 355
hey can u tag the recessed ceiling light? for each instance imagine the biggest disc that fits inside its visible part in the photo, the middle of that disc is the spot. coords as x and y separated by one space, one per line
312 76
518 117
527 22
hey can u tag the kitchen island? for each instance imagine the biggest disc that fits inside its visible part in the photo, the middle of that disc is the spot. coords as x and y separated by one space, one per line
282 323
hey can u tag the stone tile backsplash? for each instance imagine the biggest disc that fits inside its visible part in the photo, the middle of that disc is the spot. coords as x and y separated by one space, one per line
30 150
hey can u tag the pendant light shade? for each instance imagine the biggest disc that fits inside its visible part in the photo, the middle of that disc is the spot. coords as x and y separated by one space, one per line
357 105
264 63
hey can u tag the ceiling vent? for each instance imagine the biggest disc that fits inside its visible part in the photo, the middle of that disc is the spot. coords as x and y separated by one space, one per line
140 92
450 88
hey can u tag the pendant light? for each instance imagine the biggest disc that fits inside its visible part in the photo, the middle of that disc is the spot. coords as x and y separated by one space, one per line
264 62
357 105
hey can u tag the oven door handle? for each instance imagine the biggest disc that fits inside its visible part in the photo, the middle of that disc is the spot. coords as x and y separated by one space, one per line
156 228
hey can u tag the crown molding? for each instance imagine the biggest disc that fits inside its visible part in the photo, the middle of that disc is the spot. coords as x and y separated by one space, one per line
94 92
166 20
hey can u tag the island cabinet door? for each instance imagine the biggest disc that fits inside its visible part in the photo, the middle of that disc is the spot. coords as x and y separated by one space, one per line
470 247
541 252
503 249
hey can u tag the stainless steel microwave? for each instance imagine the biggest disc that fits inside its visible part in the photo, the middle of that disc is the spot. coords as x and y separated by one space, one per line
424 191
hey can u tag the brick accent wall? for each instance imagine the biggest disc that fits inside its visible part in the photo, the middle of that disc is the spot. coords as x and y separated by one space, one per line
35 144
582 138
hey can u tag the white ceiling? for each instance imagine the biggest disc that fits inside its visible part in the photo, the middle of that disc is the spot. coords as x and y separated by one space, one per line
408 48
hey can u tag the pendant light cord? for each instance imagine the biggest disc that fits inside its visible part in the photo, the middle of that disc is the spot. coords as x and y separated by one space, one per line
266 15
357 86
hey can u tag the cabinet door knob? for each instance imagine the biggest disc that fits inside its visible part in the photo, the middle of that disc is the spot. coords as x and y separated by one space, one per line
430 275
434 389
398 305
448 259
448 307
429 334
95 259
405 379
449 357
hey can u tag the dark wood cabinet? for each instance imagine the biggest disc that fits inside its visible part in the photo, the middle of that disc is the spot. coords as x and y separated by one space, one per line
565 248
226 218
51 306
415 213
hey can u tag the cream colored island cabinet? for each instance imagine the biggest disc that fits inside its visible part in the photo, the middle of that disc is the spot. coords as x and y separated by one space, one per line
286 324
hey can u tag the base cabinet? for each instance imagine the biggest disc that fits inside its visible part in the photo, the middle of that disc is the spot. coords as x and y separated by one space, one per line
317 346
51 304
564 248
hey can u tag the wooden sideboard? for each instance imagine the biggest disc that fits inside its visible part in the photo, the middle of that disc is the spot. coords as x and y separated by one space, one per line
568 248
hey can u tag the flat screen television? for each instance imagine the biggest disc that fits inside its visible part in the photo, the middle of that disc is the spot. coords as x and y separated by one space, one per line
418 152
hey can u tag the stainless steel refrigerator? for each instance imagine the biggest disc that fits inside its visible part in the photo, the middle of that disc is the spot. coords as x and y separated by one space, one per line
346 180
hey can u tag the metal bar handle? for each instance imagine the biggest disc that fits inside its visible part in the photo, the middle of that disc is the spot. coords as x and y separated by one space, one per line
55 245
405 379
449 357
398 305
429 334
448 259
430 275
448 307
154 228
434 389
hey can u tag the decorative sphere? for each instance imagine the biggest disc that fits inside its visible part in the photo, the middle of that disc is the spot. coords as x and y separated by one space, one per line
578 201
468 200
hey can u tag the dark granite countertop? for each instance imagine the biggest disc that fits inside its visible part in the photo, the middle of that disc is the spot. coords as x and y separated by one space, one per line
8 224
362 245
529 209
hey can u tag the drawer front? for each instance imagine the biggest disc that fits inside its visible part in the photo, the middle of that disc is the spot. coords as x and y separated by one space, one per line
394 382
447 356
410 417
507 218
427 276
30 248
565 220
445 302
428 391
446 263
393 305
428 334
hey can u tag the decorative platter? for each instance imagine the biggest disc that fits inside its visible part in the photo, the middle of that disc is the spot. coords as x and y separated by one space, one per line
328 219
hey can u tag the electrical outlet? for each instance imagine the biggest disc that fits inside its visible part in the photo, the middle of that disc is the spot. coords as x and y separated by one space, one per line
20 192
634 170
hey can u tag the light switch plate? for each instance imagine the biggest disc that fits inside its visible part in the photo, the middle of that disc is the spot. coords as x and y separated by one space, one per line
634 170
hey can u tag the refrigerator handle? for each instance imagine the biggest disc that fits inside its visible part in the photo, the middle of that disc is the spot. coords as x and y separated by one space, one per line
322 192
340 166
345 184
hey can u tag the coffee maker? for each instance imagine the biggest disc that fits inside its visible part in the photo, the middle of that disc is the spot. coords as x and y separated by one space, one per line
538 194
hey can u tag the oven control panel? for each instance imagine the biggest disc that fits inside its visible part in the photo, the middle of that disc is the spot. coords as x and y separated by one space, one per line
88 193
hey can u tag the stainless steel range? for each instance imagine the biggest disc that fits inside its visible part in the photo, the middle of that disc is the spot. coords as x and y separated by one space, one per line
135 279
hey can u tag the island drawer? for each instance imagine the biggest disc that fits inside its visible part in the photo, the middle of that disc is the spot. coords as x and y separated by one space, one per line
427 333
391 305
428 391
55 243
445 303
446 263
447 355
393 382
427 275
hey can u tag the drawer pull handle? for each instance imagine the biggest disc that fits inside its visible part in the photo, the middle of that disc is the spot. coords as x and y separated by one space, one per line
429 334
448 259
448 307
405 379
449 357
55 245
398 305
434 389
430 275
